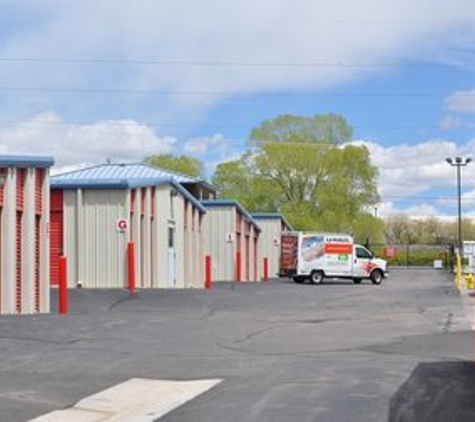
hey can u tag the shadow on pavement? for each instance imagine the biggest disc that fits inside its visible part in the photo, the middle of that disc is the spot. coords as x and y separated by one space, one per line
326 282
436 392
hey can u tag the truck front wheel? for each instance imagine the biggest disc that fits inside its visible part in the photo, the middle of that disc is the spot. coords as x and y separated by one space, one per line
377 277
298 280
316 277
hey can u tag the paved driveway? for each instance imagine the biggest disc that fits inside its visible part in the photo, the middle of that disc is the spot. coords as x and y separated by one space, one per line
335 352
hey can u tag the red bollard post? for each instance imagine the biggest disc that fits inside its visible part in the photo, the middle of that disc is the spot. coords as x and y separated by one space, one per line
63 286
238 267
266 270
131 267
208 280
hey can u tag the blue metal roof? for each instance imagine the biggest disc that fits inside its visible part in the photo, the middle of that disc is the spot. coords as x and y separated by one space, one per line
123 176
272 216
25 161
231 203
122 171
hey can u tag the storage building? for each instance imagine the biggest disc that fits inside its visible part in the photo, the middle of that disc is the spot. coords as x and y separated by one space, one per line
272 226
97 211
232 241
24 237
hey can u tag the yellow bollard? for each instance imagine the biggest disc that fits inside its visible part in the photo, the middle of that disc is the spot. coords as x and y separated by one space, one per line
470 280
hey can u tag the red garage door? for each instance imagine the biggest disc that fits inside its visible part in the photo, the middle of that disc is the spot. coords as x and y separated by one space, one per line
56 234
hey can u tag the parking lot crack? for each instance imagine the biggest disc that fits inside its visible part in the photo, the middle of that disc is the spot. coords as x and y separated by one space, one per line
39 340
254 334
448 322
120 301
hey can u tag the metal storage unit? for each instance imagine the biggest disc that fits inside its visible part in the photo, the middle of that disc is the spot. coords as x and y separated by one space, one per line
24 237
272 226
232 241
99 210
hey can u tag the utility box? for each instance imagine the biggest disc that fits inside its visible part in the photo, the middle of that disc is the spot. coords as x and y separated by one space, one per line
24 234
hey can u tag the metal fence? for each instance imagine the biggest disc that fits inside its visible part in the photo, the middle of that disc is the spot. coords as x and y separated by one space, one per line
415 255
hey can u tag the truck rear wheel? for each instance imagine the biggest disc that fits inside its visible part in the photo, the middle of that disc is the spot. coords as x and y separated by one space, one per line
357 280
377 277
316 277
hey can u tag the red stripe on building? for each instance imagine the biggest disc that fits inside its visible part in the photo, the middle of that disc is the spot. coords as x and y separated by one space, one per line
37 261
18 257
20 189
39 179
3 173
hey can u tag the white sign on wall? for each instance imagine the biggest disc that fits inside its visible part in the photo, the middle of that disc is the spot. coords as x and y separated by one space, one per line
468 248
122 225
230 237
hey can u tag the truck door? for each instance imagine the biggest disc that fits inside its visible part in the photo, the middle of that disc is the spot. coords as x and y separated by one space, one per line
362 265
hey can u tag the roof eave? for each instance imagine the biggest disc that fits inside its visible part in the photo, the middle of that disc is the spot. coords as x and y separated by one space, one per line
26 161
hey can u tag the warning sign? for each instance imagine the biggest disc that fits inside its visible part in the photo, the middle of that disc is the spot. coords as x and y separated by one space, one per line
122 224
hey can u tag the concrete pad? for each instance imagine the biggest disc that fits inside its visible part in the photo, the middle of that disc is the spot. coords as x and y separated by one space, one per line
136 400
469 306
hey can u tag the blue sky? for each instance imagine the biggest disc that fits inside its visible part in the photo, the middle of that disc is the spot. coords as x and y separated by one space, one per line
86 81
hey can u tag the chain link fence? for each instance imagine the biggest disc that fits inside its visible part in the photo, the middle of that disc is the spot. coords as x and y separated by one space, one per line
415 255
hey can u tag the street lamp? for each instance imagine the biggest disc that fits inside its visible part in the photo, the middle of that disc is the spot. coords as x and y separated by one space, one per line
459 162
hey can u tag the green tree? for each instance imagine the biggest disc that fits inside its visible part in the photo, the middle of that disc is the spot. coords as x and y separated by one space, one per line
237 180
319 184
321 128
368 228
178 163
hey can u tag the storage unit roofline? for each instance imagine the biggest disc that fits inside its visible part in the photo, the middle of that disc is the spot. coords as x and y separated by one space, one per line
123 184
127 176
26 161
272 216
127 171
232 203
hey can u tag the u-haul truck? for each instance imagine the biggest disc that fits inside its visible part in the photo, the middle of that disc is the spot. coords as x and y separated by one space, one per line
315 256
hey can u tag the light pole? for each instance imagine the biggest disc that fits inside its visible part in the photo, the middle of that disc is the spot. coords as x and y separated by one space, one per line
459 162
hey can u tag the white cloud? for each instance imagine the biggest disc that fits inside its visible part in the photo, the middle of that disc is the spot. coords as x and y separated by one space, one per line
214 150
461 102
421 210
450 122
411 169
202 146
70 144
353 34
408 172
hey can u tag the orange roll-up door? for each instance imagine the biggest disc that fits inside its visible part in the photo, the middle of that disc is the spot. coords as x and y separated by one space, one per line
56 234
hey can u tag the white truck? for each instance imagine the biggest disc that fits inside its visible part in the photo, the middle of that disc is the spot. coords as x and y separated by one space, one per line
319 255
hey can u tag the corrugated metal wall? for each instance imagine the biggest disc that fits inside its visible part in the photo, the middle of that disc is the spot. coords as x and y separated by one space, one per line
269 247
24 241
218 224
97 250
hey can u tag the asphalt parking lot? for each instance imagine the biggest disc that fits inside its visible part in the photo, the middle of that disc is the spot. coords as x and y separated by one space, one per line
336 352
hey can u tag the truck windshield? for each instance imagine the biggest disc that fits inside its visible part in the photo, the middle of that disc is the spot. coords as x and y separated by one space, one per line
363 253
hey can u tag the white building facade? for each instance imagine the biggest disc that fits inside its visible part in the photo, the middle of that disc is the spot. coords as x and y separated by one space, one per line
98 211
24 235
